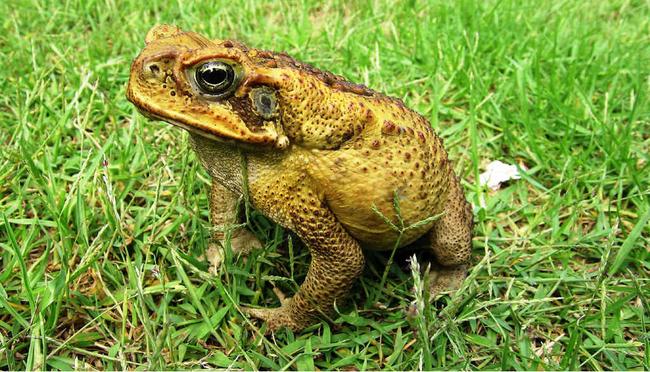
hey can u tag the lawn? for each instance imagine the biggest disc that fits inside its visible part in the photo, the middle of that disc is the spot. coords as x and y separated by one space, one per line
104 214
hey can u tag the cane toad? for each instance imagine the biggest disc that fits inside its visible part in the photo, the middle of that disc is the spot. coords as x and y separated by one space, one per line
319 155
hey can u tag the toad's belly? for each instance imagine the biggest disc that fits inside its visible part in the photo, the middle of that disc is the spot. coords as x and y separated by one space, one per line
364 191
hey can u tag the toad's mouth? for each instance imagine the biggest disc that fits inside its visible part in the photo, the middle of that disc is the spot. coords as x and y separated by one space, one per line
192 129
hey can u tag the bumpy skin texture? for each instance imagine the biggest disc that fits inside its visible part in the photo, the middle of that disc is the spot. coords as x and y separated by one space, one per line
318 153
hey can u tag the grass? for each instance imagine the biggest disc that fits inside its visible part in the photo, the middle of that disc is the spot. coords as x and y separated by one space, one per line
103 214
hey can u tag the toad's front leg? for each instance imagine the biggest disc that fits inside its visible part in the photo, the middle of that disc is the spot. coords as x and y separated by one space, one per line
223 215
336 261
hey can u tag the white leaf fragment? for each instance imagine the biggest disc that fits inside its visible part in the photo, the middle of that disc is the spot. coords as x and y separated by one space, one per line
498 172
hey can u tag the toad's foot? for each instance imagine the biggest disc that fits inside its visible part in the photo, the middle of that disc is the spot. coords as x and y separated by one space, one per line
279 317
446 279
241 243
275 319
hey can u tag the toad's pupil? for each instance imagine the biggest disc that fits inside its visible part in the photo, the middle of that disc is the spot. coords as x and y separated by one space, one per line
214 75
215 78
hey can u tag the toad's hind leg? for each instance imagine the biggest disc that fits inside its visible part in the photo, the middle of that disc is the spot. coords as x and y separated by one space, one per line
336 260
451 241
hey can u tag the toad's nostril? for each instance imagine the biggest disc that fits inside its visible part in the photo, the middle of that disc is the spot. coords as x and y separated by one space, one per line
154 71
154 68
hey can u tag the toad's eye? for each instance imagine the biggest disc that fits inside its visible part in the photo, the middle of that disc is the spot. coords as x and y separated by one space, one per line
215 78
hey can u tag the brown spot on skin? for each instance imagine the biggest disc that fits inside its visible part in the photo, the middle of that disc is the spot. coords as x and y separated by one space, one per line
421 136
375 144
227 44
389 127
